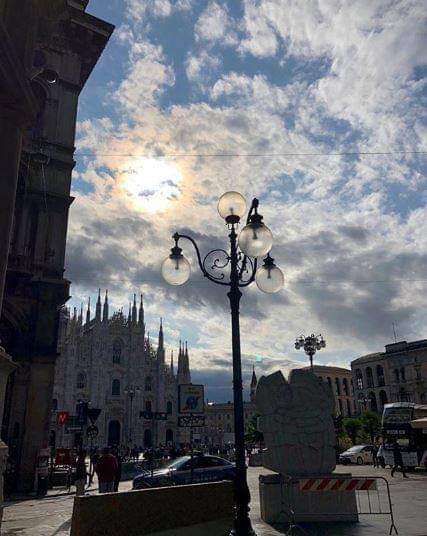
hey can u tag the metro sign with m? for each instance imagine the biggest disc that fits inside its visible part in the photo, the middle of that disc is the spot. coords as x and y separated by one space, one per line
62 417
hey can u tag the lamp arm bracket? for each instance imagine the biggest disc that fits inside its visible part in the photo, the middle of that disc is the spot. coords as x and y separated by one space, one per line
254 265
177 236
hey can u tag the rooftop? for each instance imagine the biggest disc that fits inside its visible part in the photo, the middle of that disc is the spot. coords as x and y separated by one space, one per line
393 348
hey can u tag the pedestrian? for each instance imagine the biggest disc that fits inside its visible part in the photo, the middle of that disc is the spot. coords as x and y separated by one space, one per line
81 473
94 457
106 469
398 460
118 474
375 459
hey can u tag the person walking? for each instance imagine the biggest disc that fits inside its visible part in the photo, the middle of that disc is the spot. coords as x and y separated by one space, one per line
398 461
81 473
106 469
118 475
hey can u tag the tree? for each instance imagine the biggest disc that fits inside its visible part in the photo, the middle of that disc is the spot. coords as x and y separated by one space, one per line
253 435
371 424
352 426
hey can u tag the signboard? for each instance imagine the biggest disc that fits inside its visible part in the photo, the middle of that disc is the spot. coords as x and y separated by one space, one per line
62 417
191 421
92 431
154 415
191 399
93 414
73 424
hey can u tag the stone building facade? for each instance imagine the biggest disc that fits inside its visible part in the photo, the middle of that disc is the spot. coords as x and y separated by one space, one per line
341 382
219 423
111 363
397 375
53 45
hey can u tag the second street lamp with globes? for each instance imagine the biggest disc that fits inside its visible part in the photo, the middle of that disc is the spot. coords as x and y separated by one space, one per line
234 268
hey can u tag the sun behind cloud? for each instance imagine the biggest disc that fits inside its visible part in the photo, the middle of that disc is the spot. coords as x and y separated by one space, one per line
150 184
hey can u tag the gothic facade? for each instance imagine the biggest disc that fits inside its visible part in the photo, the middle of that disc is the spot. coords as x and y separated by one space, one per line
111 363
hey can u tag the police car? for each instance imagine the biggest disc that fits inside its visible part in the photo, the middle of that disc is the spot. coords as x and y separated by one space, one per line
177 472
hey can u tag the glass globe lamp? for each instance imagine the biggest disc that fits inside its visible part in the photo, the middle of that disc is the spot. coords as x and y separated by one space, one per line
269 278
176 269
232 206
255 239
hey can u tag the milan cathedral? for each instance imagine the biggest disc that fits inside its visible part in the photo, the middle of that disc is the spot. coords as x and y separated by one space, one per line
111 363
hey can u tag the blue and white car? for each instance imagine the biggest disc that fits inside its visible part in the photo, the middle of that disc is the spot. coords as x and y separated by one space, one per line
178 472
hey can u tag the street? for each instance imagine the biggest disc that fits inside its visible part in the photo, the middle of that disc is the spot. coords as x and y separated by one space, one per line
51 516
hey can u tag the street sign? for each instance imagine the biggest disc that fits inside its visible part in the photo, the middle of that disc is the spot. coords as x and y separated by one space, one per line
191 421
154 415
93 414
62 417
73 424
191 399
92 431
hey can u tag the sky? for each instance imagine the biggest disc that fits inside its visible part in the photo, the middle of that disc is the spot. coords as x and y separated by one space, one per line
317 108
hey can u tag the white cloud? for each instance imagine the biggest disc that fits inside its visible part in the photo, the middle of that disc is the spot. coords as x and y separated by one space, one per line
215 26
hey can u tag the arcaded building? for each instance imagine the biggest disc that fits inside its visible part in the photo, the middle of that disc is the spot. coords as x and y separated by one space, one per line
397 375
111 363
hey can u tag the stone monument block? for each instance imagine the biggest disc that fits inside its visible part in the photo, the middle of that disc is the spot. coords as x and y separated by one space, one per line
297 423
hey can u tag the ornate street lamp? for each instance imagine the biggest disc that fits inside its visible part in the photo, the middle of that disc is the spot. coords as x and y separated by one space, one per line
311 344
131 391
235 269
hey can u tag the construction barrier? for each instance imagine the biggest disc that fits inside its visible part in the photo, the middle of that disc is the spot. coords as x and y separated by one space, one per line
372 496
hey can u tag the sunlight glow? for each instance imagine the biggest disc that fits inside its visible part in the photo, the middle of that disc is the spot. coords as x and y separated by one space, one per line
150 184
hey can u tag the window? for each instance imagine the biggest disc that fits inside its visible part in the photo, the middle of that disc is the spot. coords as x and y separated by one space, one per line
148 406
340 405
148 383
115 388
373 401
54 404
337 387
369 377
383 397
329 382
396 375
169 408
402 374
359 379
117 351
81 380
380 376
345 384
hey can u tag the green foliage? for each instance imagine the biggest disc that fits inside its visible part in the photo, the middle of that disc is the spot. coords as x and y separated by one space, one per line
253 435
371 424
352 426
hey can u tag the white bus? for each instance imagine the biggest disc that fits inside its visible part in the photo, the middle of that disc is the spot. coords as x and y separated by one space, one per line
405 423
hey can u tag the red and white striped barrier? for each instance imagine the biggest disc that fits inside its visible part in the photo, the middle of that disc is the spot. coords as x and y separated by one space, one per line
337 484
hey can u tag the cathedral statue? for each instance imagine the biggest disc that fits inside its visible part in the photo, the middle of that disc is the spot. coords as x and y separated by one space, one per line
296 420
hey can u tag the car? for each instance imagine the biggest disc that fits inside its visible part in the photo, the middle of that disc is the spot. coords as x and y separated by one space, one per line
359 454
178 472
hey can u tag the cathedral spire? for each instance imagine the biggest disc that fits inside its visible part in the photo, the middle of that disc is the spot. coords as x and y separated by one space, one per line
129 313
141 312
172 368
81 314
88 312
98 307
161 333
187 365
254 383
134 313
105 311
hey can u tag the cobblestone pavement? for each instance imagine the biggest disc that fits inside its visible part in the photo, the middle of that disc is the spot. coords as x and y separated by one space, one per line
51 516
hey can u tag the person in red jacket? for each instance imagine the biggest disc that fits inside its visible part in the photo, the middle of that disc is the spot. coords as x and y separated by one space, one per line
106 469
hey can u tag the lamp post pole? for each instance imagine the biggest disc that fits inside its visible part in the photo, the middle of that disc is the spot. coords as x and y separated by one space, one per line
254 241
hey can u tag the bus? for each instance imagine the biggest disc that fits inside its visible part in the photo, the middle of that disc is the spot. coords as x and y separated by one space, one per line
406 424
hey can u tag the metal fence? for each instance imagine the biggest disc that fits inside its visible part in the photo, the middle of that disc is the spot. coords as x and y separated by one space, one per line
372 496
